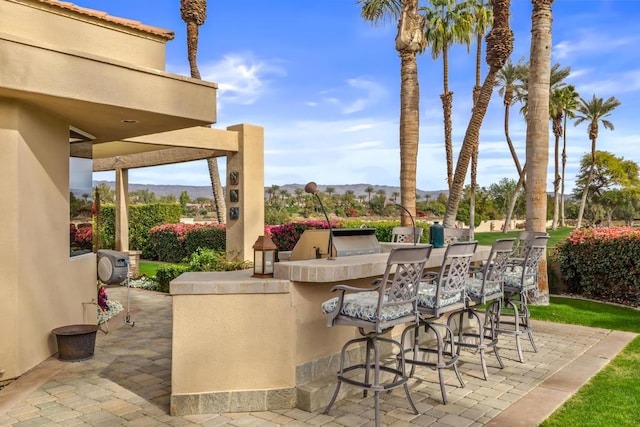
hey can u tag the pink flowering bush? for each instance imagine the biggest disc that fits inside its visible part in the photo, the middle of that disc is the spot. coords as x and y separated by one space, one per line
286 236
174 242
602 263
84 237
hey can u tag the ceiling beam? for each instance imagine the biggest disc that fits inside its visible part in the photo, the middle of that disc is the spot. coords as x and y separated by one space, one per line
154 158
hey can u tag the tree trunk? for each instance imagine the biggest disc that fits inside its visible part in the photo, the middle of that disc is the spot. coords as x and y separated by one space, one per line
409 40
468 146
537 146
472 194
564 164
557 132
507 109
447 106
499 48
218 192
514 199
585 192
192 48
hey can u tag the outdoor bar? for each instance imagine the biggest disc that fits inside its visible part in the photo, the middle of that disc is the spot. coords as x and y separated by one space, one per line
247 344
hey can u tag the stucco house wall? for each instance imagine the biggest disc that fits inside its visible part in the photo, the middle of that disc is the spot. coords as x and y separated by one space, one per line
68 67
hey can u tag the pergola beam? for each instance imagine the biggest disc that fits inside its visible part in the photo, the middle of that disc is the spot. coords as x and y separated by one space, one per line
154 158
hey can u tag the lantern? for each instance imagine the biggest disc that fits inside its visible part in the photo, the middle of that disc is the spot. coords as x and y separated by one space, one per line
264 255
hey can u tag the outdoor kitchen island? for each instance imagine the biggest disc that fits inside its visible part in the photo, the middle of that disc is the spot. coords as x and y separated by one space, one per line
250 344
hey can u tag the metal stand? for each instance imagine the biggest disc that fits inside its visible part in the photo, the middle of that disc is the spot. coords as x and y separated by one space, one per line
127 317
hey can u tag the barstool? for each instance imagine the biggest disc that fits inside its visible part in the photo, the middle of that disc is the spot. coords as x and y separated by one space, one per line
391 301
484 286
520 277
440 293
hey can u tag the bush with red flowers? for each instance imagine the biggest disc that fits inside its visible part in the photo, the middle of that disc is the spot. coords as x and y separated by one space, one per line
602 263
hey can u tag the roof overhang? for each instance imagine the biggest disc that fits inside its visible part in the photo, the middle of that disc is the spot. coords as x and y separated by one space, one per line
110 100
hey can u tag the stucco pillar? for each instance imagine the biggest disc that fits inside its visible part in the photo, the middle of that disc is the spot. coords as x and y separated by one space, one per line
248 164
122 210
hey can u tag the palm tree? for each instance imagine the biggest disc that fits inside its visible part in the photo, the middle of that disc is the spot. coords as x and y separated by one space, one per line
448 22
299 192
521 93
592 112
537 145
409 41
369 190
482 20
569 106
499 48
330 191
556 113
194 13
507 79
272 191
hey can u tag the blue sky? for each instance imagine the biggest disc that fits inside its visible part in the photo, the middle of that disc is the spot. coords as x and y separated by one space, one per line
324 84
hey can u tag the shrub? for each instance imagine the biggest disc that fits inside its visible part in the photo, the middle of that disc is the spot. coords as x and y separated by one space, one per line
286 236
166 273
602 263
175 242
212 236
204 259
83 237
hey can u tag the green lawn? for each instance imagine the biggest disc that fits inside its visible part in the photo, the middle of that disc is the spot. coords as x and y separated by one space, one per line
612 397
149 267
555 236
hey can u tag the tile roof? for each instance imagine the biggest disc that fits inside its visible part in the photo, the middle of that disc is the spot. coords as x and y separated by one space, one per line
137 25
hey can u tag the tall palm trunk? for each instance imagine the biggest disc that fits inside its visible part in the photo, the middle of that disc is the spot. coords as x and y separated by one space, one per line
593 135
409 41
537 145
474 157
557 132
514 199
564 164
194 13
499 48
508 100
447 106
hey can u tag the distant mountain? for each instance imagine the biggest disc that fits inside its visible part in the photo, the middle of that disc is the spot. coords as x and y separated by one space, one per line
195 191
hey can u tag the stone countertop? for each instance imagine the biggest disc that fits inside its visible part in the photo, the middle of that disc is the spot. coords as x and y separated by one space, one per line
322 270
352 267
226 282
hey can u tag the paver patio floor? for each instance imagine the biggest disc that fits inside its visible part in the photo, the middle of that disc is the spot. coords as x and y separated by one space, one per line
128 382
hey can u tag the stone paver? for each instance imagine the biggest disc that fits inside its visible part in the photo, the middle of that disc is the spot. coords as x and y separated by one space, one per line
128 382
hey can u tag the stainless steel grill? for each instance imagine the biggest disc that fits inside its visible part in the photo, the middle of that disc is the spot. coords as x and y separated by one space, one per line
346 242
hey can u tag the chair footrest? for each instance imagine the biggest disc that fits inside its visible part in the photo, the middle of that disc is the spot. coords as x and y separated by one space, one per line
451 358
400 378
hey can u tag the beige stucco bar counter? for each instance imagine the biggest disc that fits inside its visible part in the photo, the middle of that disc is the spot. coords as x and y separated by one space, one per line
247 344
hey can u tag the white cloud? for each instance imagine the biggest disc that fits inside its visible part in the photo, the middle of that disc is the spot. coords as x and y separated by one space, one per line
587 42
241 77
357 95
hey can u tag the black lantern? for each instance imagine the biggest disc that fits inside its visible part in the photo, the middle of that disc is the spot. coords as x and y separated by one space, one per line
264 256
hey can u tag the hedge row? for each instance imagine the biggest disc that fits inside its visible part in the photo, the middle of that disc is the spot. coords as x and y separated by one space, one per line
602 263
141 219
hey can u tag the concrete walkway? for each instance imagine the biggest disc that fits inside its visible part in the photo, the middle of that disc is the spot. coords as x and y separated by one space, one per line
128 382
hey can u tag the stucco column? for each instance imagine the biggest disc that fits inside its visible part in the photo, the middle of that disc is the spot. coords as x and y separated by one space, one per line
248 163
122 210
